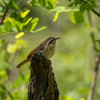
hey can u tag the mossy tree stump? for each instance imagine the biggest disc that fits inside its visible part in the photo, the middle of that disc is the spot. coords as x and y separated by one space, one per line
42 84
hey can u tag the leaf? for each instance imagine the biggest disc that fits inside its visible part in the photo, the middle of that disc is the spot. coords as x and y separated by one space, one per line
29 19
82 8
33 2
69 98
87 25
13 5
7 26
11 48
1 30
33 24
56 16
99 58
82 99
88 6
97 40
97 50
51 4
39 29
76 17
42 2
19 26
24 14
71 4
20 34
63 9
1 41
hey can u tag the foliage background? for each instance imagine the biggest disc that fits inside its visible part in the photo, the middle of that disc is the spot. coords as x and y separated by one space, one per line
73 62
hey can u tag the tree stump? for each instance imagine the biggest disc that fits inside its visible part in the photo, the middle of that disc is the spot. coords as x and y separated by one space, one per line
42 84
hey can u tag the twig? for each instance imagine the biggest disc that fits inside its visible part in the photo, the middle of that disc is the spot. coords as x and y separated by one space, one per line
4 88
3 17
95 74
93 9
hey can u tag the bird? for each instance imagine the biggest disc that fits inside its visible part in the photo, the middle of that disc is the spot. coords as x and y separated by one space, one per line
47 47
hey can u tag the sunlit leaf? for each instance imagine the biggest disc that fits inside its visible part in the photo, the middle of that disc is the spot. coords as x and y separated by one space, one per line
97 50
1 41
76 17
51 4
39 29
55 17
11 48
69 98
29 19
7 26
63 9
82 99
25 13
82 8
87 25
20 34
33 24
1 30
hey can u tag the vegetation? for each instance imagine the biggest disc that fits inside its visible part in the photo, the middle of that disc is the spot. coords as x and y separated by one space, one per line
25 24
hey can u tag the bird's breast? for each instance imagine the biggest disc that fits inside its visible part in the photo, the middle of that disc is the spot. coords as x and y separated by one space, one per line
49 52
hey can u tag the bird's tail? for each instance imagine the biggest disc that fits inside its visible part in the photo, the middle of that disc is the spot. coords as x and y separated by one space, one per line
22 63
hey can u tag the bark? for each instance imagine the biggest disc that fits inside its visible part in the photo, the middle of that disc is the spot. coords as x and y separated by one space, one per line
42 84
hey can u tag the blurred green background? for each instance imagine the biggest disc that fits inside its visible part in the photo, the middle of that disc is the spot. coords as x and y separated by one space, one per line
73 61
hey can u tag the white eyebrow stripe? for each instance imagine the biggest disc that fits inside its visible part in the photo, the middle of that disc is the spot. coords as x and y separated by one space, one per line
49 40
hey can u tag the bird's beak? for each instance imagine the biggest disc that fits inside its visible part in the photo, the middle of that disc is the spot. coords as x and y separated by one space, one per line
57 38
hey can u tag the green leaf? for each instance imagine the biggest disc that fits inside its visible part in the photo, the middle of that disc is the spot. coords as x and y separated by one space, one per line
87 25
55 17
88 6
13 15
97 50
1 41
71 4
1 30
7 26
13 5
33 2
97 40
28 20
42 2
39 29
19 26
63 9
33 24
99 58
76 17
82 8
51 4
20 34
24 14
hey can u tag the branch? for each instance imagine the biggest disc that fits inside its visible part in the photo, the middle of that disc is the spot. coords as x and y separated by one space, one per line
3 17
95 74
4 88
93 9
42 84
